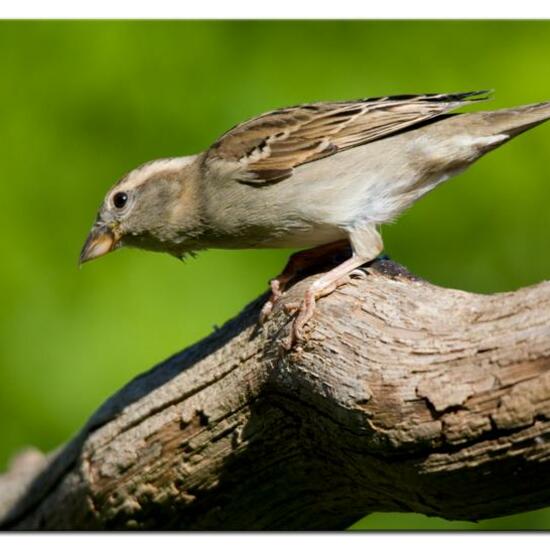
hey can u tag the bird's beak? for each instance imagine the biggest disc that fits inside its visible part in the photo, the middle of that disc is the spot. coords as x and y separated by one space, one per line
101 240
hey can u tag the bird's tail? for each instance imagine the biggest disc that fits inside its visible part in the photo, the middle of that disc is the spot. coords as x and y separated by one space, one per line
458 140
512 122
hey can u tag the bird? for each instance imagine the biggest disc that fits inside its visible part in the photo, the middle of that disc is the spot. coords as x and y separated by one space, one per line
320 177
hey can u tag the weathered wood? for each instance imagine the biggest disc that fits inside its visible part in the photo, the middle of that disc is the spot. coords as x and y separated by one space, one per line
405 397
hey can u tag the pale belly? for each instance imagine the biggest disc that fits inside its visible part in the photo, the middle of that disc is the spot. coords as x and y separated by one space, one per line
302 236
315 236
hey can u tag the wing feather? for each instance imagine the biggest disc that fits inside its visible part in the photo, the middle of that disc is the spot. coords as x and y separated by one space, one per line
266 149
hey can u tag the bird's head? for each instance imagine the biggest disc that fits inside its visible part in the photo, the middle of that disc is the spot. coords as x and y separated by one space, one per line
152 207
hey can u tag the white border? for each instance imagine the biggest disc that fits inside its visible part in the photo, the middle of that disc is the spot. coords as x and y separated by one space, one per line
274 9
273 541
285 9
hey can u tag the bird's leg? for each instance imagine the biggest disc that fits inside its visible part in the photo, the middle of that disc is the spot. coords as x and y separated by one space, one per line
366 245
297 263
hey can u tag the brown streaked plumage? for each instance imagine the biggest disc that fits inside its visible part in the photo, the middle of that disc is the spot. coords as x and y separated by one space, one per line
272 145
323 175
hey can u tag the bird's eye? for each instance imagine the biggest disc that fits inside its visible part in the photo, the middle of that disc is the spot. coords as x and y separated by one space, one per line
120 200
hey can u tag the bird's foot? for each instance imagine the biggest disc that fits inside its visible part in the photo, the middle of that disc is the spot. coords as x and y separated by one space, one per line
305 310
277 290
299 263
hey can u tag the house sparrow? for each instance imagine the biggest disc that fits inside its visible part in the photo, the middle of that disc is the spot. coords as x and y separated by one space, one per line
322 176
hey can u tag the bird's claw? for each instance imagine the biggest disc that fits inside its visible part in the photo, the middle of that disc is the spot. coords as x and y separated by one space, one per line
267 308
291 307
358 273
305 310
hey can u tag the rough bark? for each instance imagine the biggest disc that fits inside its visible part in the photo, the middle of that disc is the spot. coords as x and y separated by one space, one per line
405 397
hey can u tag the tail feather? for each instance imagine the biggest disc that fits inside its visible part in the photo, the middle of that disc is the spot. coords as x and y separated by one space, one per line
458 140
512 122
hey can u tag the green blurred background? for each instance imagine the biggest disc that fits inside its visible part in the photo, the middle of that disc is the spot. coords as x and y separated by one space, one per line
82 102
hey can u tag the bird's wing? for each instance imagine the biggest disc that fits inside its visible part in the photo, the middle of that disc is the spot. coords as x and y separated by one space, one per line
266 149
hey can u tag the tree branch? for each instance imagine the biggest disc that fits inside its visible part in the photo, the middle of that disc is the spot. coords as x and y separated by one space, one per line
405 397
